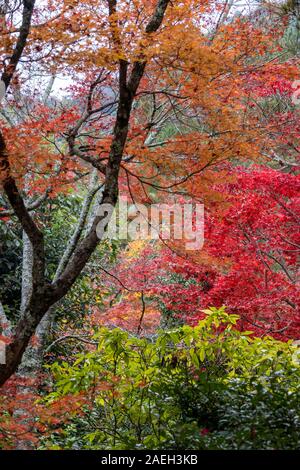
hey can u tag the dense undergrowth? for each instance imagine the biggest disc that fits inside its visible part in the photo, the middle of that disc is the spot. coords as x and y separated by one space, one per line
208 387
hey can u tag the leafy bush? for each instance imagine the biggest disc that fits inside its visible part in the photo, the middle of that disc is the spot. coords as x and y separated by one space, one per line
207 387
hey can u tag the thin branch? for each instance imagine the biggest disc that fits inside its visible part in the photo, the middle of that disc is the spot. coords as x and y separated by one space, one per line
68 337
142 314
30 206
94 188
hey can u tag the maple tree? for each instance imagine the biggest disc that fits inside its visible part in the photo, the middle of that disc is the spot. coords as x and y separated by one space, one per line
42 293
250 258
65 36
249 263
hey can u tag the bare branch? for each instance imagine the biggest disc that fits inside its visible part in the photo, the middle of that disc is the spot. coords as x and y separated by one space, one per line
67 338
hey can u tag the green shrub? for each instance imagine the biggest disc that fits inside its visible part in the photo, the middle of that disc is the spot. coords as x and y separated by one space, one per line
208 387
